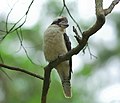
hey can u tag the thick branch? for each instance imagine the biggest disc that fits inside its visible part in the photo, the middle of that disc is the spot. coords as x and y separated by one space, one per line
22 70
46 83
99 22
98 25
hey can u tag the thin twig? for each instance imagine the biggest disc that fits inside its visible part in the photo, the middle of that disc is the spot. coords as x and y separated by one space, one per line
5 74
77 36
91 55
61 11
71 16
21 70
7 20
3 31
29 7
8 17
20 37
12 29
1 58
2 61
21 44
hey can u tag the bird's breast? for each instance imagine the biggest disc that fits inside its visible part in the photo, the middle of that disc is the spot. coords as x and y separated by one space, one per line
54 44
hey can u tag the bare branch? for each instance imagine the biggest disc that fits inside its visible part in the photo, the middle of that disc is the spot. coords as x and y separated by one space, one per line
77 36
8 17
20 37
1 58
22 70
2 69
3 31
29 7
5 73
14 28
61 11
99 22
7 20
111 7
21 45
91 55
46 83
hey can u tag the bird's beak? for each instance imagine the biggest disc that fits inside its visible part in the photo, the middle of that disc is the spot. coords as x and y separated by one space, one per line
64 24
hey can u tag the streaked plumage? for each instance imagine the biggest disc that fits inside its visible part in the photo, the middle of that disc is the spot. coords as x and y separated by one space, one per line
56 43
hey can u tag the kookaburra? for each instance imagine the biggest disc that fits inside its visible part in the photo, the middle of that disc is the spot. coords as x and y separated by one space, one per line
56 43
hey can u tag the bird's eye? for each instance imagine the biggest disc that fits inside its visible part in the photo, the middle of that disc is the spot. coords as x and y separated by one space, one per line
59 20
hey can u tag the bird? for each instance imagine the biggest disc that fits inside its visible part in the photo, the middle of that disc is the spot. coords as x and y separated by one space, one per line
56 44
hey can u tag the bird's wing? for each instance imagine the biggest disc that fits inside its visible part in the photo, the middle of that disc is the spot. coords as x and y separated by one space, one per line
68 45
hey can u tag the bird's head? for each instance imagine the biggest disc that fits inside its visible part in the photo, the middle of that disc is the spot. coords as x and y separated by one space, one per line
61 22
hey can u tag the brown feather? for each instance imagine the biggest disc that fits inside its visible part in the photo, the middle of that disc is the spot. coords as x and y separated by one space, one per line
68 45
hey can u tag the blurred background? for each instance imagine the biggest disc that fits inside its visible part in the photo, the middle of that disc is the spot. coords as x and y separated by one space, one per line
95 79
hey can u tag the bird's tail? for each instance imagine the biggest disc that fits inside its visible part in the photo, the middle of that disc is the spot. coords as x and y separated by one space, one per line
67 88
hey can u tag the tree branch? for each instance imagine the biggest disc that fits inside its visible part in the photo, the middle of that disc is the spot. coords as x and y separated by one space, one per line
99 22
71 16
111 7
22 70
46 83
